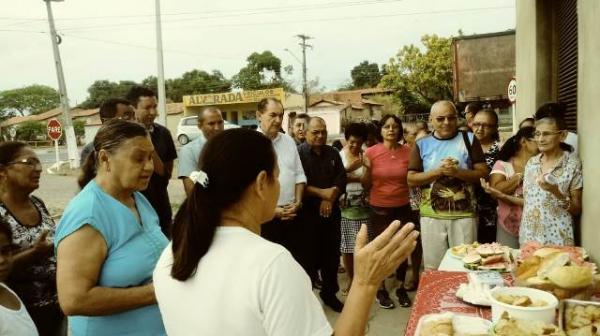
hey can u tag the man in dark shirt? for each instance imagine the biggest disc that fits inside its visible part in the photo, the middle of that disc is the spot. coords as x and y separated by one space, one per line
326 180
144 102
112 108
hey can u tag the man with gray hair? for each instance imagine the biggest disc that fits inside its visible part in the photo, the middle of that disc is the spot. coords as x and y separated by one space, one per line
210 123
326 181
446 164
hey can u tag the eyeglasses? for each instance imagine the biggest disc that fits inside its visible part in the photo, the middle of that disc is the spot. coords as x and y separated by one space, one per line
545 134
32 162
394 126
482 125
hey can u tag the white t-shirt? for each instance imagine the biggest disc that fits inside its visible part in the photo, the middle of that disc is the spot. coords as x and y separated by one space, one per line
244 285
16 322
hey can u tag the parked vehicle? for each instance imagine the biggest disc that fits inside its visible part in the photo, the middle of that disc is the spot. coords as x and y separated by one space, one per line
188 130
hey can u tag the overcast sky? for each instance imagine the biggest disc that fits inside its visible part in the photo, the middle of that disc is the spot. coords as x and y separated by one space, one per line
115 39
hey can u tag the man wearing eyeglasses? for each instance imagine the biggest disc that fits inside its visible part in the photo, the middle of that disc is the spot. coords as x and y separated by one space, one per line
446 164
112 108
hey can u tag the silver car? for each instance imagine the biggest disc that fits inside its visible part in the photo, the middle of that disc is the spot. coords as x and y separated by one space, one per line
188 130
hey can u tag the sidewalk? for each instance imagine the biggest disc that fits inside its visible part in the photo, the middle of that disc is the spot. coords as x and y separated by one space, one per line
56 191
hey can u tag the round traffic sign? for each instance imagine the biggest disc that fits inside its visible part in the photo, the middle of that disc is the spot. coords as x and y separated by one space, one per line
512 90
54 129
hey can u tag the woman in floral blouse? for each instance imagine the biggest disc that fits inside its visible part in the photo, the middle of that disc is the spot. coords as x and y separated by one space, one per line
34 272
553 183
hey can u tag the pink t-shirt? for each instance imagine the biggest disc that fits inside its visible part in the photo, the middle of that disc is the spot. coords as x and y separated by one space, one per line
389 169
509 215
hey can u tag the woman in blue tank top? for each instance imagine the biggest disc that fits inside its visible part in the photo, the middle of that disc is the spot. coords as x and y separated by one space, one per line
109 239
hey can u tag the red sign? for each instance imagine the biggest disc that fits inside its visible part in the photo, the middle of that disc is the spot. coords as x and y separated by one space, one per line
54 129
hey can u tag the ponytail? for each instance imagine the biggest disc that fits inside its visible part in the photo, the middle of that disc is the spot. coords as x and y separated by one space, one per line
513 144
193 232
230 162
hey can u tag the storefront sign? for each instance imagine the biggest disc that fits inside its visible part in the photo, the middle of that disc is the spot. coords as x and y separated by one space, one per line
232 97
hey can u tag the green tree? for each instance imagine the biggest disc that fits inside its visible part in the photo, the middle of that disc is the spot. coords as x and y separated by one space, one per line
30 130
421 77
261 71
101 90
365 75
33 99
196 82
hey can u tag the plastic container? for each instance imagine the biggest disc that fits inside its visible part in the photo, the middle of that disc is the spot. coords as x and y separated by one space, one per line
546 313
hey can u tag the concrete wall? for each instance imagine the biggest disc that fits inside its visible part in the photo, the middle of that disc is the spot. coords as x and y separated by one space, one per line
534 53
588 120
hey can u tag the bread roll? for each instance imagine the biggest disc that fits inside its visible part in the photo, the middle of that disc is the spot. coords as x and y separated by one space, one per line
571 277
545 251
552 261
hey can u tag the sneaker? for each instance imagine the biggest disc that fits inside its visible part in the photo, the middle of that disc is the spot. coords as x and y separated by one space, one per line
332 302
384 300
403 298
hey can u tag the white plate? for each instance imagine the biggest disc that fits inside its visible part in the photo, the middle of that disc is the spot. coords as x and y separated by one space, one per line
457 319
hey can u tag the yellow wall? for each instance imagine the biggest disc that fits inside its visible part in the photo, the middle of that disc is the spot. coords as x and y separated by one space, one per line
588 120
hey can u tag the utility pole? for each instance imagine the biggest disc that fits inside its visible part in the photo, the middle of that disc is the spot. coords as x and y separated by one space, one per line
162 95
304 83
62 87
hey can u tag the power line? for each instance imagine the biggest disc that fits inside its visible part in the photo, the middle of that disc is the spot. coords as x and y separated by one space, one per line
229 11
329 19
146 47
242 13
354 17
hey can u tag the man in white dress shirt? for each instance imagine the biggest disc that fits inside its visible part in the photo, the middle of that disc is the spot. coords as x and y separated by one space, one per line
291 179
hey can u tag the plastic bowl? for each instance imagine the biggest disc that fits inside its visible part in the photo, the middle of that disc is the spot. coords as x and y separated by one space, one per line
546 313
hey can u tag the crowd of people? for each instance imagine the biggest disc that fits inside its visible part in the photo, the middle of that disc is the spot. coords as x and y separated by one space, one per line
268 218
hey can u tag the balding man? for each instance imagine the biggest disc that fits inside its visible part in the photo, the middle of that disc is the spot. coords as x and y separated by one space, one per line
326 180
291 179
210 123
446 164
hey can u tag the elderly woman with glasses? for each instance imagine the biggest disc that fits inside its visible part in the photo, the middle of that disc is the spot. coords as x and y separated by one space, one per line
485 129
553 183
34 273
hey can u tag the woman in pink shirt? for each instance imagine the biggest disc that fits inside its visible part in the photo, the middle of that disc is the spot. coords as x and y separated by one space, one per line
386 167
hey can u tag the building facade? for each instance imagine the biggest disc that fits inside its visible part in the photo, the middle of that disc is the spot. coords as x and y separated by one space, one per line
558 59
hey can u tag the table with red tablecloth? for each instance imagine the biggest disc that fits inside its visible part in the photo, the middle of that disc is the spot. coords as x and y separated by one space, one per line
437 294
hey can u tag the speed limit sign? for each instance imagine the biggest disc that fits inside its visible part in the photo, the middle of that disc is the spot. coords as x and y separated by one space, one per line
512 90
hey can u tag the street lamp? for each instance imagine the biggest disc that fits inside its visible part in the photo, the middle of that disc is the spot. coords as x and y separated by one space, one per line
62 88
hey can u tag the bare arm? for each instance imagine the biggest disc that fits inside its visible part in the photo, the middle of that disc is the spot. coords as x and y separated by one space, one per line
416 178
373 263
575 205
299 192
40 249
188 186
472 175
79 260
504 185
314 192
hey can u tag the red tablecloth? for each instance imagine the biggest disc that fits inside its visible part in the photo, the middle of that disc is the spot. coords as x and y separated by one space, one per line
437 293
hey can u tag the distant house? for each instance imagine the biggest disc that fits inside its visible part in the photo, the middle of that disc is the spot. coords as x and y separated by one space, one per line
340 108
